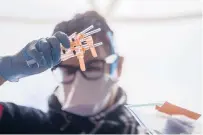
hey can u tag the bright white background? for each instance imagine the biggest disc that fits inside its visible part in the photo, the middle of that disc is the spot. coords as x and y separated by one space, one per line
162 57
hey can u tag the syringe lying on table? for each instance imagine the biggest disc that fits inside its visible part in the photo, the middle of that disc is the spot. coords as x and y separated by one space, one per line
79 43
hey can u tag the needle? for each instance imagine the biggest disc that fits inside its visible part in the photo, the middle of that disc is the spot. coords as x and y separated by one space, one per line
92 32
87 29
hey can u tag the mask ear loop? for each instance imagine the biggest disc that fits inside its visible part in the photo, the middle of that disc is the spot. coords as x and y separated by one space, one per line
114 65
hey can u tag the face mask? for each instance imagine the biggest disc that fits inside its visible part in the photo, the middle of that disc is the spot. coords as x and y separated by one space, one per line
86 97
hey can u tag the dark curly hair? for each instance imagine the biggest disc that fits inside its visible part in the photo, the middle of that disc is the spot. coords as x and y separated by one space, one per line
81 21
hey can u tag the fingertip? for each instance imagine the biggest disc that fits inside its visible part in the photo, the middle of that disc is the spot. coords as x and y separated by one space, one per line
63 38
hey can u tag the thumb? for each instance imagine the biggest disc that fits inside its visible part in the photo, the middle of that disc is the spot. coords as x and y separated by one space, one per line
63 38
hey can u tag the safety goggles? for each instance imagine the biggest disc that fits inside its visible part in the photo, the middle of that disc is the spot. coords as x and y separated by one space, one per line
94 69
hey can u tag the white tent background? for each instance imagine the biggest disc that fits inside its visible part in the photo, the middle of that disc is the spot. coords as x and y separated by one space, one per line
160 39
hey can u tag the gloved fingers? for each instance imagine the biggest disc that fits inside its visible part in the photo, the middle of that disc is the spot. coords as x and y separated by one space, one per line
63 38
34 53
44 47
55 49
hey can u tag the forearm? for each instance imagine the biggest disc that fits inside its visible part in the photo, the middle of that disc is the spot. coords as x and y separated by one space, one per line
1 80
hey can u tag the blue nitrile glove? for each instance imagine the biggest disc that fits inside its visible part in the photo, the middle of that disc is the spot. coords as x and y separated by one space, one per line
36 57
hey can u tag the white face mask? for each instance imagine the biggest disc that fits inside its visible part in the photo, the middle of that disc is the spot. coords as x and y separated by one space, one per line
85 97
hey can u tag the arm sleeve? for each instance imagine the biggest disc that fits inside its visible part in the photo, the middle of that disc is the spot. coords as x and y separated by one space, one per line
20 119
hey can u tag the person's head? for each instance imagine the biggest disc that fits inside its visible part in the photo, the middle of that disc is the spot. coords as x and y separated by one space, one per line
80 22
107 64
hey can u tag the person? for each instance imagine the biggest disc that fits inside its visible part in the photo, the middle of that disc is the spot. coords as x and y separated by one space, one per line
89 102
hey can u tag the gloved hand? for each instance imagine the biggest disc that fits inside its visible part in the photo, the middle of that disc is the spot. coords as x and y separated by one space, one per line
36 57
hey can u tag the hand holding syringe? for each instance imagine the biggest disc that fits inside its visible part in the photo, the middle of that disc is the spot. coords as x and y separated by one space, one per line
79 43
